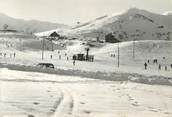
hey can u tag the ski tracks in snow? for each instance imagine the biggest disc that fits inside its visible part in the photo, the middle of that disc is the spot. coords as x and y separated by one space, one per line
65 105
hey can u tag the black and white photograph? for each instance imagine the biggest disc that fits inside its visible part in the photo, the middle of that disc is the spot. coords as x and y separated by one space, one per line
85 58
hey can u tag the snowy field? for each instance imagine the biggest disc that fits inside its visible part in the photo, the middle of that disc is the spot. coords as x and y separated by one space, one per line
31 94
144 51
86 89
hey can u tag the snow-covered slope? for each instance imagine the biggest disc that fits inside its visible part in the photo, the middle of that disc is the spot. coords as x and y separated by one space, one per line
28 26
132 24
63 31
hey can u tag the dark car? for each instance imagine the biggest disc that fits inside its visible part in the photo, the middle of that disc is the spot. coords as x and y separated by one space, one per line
45 65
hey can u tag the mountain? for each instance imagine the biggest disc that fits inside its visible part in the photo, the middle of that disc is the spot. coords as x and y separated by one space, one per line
133 24
168 13
29 26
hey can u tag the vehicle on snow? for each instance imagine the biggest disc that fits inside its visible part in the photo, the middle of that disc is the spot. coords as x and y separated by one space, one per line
45 65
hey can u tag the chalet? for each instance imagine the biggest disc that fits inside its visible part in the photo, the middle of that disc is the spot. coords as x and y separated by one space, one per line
111 38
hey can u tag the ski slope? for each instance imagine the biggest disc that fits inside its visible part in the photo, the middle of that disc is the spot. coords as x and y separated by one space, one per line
30 54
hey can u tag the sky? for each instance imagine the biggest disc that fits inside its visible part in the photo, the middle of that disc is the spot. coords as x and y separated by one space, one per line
72 11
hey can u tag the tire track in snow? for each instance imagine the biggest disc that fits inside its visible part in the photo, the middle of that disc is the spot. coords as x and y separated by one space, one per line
57 103
65 106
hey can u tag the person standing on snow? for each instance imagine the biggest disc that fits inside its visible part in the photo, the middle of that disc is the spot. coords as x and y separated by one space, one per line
145 65
14 54
5 55
73 62
159 67
59 57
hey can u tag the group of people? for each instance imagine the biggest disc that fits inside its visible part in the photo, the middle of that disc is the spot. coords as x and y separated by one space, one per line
155 61
8 45
65 55
12 55
60 56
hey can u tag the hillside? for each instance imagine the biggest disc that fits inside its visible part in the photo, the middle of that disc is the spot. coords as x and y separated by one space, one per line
105 58
28 26
133 24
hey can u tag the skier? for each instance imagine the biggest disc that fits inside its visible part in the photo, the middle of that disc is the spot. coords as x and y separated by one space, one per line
145 66
159 67
59 57
14 54
58 52
148 60
5 55
165 68
73 62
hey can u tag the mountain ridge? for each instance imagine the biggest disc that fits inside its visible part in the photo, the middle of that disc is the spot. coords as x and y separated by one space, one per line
148 25
29 26
131 24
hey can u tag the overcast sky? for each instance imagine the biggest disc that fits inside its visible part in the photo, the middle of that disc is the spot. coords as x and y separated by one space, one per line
71 11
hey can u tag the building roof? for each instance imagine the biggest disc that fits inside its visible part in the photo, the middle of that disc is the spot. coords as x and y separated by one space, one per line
54 34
